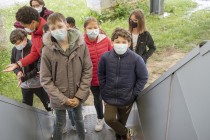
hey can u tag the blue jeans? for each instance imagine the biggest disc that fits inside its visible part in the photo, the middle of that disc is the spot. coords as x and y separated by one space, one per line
60 123
71 116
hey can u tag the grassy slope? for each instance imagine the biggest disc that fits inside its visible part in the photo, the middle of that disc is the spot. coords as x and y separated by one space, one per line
178 30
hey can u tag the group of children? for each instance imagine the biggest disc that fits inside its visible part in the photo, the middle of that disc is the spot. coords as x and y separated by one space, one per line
73 63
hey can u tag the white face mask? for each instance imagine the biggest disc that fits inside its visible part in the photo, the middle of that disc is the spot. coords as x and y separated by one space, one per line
59 34
21 46
120 48
29 30
39 9
92 33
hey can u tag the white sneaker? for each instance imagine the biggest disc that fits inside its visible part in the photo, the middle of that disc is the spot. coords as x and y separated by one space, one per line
99 124
74 128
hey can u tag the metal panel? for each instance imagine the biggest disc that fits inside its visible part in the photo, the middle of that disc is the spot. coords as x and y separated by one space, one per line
153 110
180 126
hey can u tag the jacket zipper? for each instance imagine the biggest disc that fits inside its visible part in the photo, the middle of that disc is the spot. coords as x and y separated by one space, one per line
118 73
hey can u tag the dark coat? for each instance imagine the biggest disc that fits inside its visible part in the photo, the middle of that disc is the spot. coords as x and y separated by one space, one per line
121 78
145 40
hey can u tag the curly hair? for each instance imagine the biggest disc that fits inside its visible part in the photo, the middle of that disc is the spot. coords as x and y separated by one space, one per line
122 33
17 34
27 14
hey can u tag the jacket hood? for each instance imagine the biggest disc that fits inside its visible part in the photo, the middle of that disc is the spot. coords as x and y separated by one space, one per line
74 37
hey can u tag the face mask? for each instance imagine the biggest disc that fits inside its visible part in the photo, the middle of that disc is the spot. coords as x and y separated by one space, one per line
21 46
92 33
29 30
120 48
59 34
133 24
39 9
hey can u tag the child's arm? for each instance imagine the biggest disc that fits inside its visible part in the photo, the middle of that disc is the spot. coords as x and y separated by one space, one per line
84 87
151 45
14 61
47 81
102 72
30 74
141 76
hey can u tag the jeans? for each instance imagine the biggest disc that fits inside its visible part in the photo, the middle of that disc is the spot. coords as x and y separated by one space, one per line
97 101
28 95
71 116
60 123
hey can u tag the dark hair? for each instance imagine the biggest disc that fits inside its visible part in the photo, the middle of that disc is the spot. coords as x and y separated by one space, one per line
27 14
17 34
141 27
122 33
41 2
54 17
70 20
45 27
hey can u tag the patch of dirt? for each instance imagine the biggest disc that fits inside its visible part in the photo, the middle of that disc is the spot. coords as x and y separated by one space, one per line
160 62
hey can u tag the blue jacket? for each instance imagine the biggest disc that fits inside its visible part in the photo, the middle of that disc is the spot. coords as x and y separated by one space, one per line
121 78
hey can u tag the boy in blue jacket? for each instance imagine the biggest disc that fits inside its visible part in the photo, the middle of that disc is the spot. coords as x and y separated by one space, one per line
122 76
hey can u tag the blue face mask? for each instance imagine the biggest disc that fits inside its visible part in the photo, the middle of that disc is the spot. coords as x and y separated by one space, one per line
92 33
120 48
59 34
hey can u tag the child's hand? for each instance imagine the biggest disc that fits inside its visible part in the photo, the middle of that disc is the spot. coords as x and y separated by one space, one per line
19 83
19 75
10 67
75 102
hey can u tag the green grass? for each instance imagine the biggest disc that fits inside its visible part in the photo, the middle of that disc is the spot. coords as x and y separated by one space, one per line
179 30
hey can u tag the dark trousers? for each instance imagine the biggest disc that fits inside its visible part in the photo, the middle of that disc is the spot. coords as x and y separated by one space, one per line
116 117
28 95
97 101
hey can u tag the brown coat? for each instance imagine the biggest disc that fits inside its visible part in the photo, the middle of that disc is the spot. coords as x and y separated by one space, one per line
64 76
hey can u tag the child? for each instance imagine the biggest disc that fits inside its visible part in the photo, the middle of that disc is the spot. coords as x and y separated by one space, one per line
122 75
27 77
32 22
141 38
67 75
97 44
38 5
71 23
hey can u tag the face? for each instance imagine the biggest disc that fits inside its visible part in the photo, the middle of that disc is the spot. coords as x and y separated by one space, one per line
133 18
120 40
92 25
35 4
57 25
31 26
70 26
21 42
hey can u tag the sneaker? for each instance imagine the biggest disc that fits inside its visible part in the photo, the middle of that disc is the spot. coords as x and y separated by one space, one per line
74 128
99 125
130 134
64 130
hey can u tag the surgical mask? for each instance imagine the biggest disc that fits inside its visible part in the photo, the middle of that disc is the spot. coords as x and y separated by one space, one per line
92 33
120 48
133 24
21 46
59 34
29 30
39 9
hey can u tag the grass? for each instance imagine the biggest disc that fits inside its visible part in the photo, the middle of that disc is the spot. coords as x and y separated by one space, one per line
179 30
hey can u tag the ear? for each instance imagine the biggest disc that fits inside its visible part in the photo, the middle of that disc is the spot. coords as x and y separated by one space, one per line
112 43
129 44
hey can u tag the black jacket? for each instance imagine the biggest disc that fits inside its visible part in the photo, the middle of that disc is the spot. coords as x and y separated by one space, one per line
122 78
29 71
145 40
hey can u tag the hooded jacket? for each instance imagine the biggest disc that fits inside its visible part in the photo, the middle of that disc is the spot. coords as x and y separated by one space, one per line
96 49
65 76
